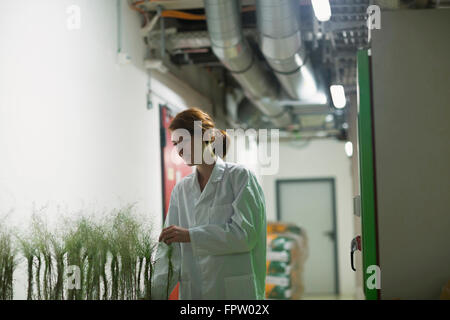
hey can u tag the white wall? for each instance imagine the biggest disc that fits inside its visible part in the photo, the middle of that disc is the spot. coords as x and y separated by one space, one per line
320 159
75 131
74 126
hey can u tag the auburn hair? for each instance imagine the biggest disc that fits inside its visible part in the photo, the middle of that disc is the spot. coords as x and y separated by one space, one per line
187 120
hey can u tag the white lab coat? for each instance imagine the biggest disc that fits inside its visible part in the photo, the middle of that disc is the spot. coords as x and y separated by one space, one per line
226 258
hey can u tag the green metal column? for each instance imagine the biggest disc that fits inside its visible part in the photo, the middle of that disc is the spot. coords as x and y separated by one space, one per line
367 172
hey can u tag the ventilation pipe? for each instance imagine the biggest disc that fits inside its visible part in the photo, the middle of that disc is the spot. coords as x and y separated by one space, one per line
281 44
231 47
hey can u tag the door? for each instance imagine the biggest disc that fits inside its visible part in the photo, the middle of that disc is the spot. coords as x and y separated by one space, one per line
411 141
172 172
310 204
367 171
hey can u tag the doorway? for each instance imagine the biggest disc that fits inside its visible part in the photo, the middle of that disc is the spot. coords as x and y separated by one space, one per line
311 204
172 172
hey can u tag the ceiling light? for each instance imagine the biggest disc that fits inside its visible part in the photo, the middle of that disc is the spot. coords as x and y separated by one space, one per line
322 9
338 95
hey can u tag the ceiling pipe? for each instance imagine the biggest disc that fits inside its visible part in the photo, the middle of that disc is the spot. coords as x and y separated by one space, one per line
231 47
281 44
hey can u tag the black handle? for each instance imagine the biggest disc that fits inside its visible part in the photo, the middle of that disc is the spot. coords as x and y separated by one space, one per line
355 246
331 235
351 261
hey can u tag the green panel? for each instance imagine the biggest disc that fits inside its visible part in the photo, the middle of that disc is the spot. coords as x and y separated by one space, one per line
367 173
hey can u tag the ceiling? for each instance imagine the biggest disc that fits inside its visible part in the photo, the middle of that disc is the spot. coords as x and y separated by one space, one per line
332 45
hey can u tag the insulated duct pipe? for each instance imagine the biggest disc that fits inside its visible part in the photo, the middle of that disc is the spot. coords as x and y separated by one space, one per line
281 44
231 47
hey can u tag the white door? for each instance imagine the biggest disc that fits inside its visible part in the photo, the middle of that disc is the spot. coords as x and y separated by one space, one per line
310 204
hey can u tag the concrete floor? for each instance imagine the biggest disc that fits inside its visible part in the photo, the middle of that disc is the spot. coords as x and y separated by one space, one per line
329 297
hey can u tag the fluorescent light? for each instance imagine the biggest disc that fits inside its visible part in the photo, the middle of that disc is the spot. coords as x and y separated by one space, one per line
322 9
298 60
338 95
349 149
310 88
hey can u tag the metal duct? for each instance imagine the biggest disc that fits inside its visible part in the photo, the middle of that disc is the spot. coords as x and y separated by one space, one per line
281 44
230 46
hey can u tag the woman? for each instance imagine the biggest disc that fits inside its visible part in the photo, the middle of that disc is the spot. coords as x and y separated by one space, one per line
216 223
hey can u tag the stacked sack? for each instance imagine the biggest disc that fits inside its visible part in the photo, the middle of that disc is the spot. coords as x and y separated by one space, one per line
286 255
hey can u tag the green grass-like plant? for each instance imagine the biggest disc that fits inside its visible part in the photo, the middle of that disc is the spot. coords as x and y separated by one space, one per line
170 270
114 255
7 262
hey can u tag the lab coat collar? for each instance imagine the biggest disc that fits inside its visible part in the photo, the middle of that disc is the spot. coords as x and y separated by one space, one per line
218 171
216 174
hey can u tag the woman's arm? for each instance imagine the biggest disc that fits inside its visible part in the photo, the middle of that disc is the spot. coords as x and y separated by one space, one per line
242 233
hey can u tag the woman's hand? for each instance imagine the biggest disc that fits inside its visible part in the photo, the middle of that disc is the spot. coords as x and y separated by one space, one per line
174 234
